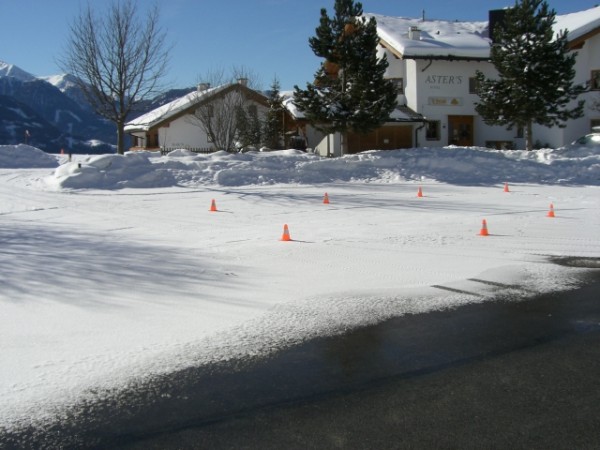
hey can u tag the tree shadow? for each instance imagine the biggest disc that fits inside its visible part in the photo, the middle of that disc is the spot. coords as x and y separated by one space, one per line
92 270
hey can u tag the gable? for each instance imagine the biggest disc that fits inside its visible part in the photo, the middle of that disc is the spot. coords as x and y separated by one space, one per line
188 104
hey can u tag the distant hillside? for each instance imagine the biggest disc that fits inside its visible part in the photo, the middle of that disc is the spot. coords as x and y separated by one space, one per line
56 114
17 120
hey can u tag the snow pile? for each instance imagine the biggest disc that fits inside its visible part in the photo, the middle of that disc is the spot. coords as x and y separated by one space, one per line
112 172
24 156
458 165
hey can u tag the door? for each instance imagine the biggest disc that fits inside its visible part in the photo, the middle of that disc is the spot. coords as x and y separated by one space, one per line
460 130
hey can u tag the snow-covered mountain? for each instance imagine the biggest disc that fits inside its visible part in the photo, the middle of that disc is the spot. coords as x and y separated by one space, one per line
10 70
56 114
67 84
49 115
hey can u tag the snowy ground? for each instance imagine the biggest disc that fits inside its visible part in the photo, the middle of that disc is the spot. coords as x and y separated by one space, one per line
113 269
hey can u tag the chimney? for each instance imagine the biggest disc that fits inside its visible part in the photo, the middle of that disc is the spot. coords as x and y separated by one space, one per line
243 81
497 18
414 33
203 87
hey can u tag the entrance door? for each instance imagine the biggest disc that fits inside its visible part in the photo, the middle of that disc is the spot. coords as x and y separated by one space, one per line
460 130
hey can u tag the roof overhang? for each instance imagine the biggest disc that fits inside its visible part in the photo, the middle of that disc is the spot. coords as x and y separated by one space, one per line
430 57
578 42
185 105
404 114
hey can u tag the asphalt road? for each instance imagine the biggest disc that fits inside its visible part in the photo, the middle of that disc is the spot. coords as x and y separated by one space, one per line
497 375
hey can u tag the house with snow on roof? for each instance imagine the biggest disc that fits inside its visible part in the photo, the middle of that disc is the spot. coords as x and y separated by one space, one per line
176 125
433 64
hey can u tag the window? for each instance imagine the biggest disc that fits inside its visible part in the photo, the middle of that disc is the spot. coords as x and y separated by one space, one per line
399 83
432 131
252 110
520 133
473 85
595 80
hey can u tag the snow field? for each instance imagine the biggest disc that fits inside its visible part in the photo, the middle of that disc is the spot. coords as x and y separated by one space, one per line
103 289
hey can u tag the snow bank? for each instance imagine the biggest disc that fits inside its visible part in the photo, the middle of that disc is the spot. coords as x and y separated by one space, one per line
113 172
24 156
458 165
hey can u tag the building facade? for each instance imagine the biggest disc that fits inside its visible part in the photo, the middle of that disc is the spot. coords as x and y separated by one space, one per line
176 125
434 63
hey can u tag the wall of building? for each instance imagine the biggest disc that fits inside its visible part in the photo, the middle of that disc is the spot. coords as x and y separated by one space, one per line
439 89
328 145
187 132
184 132
588 59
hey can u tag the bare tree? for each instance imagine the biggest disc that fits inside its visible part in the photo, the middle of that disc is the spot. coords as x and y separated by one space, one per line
222 116
119 60
219 120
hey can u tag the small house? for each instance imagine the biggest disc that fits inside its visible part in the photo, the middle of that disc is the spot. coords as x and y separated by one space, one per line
180 124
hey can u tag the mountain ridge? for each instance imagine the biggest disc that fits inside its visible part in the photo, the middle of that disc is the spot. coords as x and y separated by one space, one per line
52 113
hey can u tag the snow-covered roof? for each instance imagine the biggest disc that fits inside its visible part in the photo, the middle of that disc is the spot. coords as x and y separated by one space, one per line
400 114
436 38
290 106
462 40
165 112
404 114
579 23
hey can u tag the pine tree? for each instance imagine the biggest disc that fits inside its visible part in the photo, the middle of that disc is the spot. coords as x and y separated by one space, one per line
255 130
243 135
273 127
249 126
349 91
535 72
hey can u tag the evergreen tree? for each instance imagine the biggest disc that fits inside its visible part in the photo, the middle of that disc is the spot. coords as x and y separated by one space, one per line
349 91
255 131
243 128
248 126
273 128
535 72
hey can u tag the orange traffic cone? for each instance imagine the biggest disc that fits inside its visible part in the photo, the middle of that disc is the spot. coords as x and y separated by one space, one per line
420 192
326 199
484 230
506 187
286 234
213 206
551 212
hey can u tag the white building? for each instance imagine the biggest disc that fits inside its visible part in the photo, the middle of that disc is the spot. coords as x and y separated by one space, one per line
175 125
434 63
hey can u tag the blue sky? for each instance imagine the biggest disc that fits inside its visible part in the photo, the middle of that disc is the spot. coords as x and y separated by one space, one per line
268 37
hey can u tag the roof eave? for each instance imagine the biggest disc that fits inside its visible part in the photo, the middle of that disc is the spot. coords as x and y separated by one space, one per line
450 57
137 128
578 42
